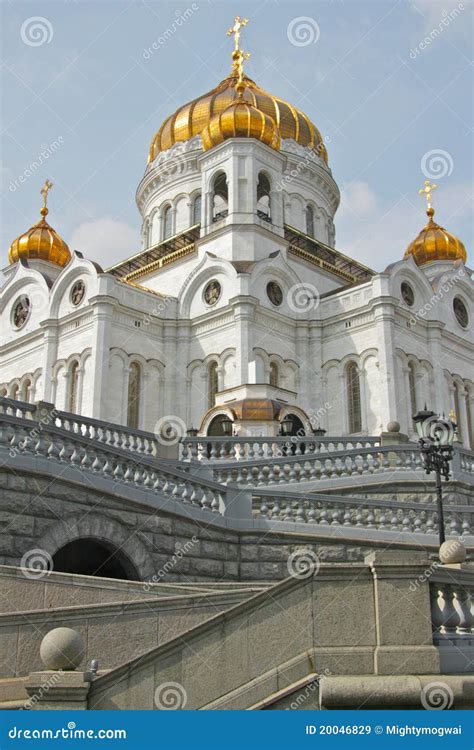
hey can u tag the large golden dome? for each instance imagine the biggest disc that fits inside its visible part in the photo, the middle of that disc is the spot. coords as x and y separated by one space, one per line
41 241
241 120
192 118
435 243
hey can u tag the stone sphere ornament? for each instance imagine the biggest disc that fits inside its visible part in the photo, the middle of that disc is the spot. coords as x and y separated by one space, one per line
62 648
452 551
393 427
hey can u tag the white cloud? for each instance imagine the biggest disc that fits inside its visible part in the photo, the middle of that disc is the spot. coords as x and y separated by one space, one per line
359 199
105 240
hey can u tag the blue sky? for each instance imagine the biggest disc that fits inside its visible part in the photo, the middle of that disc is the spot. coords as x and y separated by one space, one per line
79 87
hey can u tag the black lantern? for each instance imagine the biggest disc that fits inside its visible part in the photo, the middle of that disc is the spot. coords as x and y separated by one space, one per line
192 432
286 426
226 425
436 437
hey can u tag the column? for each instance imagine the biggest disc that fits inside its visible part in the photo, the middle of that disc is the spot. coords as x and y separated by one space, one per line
102 324
244 308
303 358
462 416
50 353
434 329
384 317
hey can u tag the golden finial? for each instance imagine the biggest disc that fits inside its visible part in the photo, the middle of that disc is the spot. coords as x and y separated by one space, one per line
238 55
239 23
44 192
426 191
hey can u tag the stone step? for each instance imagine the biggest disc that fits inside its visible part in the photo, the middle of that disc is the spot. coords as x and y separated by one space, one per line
13 690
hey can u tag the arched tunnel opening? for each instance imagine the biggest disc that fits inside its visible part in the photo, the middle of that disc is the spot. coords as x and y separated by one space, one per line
93 557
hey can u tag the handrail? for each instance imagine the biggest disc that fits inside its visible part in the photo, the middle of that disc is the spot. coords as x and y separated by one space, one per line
24 436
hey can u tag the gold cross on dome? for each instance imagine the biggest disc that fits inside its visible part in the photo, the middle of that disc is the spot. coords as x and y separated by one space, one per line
45 190
239 23
427 190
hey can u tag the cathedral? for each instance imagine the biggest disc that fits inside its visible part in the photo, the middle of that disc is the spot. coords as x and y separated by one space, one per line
239 316
164 545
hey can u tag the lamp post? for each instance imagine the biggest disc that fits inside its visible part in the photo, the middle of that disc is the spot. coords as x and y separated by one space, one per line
436 436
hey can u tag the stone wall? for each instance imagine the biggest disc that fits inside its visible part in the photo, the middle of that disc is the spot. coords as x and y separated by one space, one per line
41 513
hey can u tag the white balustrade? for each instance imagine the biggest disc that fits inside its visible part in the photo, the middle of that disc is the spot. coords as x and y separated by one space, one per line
27 437
383 515
216 449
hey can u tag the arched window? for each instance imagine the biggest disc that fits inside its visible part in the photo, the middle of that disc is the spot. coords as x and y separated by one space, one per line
14 392
26 390
167 221
220 197
212 385
353 398
73 387
274 374
197 209
309 221
263 197
457 403
133 399
412 387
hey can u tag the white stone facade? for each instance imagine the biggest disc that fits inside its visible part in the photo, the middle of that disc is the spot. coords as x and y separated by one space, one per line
149 314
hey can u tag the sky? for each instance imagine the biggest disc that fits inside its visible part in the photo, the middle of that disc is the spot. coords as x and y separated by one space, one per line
87 83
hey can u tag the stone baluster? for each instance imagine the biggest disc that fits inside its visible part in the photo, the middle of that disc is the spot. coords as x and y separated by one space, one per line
451 618
463 606
436 609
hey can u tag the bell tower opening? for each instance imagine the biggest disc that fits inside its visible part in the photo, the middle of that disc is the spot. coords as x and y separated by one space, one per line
94 557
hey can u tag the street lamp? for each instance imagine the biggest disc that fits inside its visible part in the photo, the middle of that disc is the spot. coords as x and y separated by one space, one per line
436 436
286 426
226 425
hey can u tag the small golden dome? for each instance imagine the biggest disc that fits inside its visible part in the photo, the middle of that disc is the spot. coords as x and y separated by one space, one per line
41 241
241 120
192 118
435 243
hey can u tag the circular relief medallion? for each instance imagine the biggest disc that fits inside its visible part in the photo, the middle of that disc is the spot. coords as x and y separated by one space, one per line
21 311
408 294
212 292
460 312
77 292
274 293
